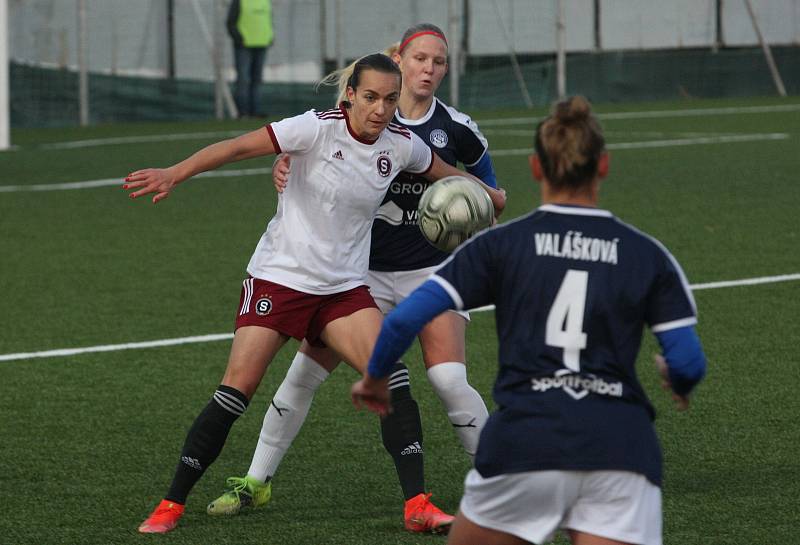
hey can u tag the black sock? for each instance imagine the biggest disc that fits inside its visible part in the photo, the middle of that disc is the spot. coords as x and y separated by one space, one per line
205 440
402 434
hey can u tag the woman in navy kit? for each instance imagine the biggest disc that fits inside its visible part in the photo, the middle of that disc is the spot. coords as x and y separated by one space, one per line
572 445
306 276
400 260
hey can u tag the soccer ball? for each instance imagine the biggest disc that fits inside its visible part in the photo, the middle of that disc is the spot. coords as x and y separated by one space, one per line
453 209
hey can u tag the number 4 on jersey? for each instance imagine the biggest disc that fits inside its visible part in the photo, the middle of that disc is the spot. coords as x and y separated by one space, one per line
565 320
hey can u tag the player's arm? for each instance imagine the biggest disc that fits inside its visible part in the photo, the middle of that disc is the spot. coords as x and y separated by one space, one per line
440 169
683 363
398 331
484 170
162 181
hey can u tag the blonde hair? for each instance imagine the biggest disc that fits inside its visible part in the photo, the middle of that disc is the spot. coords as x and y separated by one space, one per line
341 78
569 143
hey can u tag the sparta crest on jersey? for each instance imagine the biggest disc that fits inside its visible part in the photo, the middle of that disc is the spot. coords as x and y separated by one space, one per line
335 186
396 241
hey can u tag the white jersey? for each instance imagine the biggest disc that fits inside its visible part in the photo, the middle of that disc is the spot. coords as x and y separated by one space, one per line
318 241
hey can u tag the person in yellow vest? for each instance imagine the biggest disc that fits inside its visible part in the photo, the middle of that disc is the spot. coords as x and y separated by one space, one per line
249 24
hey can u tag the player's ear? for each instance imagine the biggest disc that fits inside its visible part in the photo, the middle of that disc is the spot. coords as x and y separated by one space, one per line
602 165
351 94
536 166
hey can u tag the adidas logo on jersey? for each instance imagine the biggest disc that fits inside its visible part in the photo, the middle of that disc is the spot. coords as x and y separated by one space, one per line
338 155
413 448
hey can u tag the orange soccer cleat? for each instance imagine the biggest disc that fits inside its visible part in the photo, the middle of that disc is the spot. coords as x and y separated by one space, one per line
422 516
163 519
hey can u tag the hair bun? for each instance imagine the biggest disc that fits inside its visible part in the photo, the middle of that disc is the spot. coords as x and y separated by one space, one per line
573 110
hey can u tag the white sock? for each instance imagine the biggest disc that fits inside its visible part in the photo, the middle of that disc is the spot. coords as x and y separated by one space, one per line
464 405
286 415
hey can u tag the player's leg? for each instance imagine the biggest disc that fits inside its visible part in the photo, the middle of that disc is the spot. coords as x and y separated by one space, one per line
252 350
353 336
284 418
442 342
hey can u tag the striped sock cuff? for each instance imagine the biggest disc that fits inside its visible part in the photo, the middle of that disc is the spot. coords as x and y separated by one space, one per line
399 377
231 399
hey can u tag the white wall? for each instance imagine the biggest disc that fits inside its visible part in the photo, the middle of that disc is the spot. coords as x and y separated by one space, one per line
129 36
779 21
649 24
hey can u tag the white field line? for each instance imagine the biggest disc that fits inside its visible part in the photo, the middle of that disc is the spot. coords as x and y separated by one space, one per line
725 139
695 112
74 144
706 286
119 181
228 336
729 139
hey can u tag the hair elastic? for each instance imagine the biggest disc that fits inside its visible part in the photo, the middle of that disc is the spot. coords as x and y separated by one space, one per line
417 35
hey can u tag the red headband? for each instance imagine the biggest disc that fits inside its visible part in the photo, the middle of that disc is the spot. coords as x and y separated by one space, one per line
421 33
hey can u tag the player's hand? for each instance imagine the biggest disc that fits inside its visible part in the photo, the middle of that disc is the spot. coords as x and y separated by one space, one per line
150 180
498 211
681 402
371 393
280 172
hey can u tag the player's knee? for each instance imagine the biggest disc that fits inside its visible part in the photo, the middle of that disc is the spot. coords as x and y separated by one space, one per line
305 373
448 377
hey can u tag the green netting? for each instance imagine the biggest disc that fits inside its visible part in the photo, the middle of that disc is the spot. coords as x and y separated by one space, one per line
630 76
45 97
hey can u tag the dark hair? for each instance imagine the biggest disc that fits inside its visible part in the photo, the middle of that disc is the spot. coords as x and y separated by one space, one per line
350 75
375 61
420 28
569 143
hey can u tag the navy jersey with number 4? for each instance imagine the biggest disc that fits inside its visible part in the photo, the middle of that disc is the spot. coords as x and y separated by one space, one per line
573 289
397 244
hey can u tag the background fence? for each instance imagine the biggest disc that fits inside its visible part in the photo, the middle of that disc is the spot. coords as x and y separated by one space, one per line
154 59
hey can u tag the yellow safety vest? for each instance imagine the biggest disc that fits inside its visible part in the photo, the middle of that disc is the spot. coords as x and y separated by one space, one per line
255 22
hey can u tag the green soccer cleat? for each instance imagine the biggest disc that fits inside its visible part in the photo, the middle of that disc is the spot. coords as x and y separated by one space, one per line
244 492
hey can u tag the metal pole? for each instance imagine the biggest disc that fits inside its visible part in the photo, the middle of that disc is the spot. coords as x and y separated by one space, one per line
513 56
83 72
171 39
216 48
561 55
323 38
5 132
226 93
776 77
454 65
339 38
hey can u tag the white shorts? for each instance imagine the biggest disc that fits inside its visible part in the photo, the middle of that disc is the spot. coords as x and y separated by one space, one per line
618 505
389 288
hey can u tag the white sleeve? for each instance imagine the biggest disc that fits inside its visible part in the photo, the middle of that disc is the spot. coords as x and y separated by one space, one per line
420 160
295 134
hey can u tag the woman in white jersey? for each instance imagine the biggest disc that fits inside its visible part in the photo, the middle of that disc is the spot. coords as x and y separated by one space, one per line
306 276
400 260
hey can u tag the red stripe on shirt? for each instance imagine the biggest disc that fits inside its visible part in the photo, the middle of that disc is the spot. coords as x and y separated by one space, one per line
274 138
